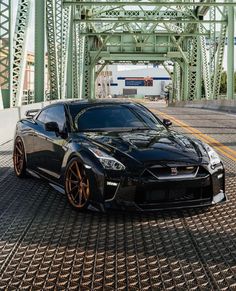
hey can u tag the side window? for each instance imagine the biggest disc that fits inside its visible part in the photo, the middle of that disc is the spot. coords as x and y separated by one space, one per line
56 114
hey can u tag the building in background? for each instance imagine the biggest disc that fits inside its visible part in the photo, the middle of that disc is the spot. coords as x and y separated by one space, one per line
28 86
28 89
132 81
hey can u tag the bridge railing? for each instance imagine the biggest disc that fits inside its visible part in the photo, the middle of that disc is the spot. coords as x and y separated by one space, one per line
9 118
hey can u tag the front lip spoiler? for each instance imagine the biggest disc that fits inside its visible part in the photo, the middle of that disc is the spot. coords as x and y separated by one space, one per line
129 205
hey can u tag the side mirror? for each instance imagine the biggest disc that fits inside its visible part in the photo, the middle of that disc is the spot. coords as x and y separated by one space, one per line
52 126
31 113
167 122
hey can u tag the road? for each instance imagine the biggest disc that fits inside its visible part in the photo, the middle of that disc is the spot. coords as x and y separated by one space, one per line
46 245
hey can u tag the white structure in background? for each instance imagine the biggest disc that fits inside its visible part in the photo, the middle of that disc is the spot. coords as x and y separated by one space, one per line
103 83
132 80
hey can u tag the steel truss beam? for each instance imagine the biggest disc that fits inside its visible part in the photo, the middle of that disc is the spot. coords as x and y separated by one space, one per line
143 31
177 31
57 28
192 56
151 3
63 16
138 33
230 54
81 34
219 60
171 14
205 66
176 79
19 51
52 49
138 20
86 70
6 51
78 61
39 41
212 44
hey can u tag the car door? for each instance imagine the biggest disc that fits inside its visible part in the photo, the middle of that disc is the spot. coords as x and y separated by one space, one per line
50 145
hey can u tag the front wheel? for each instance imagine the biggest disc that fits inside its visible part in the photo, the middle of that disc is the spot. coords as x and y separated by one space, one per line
77 185
19 161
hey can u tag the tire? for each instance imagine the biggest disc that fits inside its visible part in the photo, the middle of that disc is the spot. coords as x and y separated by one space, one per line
77 186
19 161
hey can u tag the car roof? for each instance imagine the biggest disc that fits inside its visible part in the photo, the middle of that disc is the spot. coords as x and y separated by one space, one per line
89 102
98 101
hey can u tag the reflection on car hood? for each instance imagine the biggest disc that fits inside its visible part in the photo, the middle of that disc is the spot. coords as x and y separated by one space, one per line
150 145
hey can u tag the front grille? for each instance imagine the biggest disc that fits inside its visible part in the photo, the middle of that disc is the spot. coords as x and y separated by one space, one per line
174 172
172 194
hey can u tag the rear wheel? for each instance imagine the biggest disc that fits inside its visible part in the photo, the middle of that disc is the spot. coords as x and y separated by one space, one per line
19 161
77 186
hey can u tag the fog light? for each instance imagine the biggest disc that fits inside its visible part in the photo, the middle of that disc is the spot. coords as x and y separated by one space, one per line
109 183
219 197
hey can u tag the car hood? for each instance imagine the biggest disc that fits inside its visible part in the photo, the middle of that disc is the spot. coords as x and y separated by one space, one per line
150 146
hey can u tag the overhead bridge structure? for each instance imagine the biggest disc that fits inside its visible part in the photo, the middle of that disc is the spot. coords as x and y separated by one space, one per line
47 245
81 37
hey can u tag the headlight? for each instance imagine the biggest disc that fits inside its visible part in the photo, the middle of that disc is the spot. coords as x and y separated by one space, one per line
108 162
214 158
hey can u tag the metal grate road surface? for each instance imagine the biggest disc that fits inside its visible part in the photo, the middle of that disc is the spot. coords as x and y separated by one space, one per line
46 245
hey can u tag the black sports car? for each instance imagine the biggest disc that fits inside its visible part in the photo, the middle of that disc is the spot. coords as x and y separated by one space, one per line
117 154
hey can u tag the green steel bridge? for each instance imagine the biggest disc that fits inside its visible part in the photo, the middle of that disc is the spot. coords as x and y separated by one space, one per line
47 245
81 37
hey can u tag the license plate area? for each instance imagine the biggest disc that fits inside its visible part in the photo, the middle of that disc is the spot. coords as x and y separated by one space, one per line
171 193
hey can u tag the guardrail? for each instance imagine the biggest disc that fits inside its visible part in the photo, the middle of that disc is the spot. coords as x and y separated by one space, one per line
9 118
219 104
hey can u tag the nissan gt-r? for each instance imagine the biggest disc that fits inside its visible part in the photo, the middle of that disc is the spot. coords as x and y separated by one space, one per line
117 154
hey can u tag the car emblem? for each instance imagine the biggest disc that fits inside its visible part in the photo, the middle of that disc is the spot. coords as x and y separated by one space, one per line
174 171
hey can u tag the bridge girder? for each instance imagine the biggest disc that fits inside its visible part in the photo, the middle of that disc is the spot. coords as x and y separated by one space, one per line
180 34
83 35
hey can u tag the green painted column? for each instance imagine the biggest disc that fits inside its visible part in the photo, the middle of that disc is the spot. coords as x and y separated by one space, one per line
69 80
185 81
39 66
6 57
199 71
92 82
230 54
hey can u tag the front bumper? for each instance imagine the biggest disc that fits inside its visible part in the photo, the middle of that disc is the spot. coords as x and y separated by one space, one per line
147 194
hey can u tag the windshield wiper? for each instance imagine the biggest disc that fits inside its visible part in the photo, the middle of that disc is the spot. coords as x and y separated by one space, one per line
130 129
140 128
114 129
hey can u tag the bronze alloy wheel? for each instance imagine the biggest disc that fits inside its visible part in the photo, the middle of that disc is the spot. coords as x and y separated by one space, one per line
77 184
19 158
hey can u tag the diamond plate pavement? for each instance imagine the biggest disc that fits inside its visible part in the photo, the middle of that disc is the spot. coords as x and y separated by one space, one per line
46 245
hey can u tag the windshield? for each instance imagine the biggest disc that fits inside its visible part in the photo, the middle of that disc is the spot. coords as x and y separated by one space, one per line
113 117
